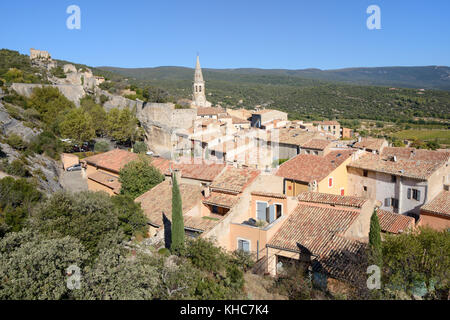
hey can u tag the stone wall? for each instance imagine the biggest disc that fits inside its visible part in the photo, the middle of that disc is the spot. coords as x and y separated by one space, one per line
72 92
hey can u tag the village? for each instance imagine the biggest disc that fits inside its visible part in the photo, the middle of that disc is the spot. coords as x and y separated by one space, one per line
280 190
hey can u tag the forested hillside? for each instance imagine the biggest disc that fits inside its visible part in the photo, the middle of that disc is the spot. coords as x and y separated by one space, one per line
302 98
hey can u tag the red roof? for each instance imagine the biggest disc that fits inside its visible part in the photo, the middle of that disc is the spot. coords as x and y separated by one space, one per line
307 168
439 205
113 160
394 222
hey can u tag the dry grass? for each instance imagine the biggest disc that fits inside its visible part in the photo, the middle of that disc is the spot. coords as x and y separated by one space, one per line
260 288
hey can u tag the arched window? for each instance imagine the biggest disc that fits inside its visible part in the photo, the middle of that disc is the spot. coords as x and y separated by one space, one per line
199 88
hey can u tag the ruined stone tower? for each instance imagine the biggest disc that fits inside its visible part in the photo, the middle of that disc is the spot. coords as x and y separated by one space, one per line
198 88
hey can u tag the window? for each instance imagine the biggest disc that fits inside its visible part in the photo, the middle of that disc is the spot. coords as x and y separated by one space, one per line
416 194
215 209
387 202
330 182
278 210
394 203
200 89
316 153
243 245
365 173
394 179
342 192
365 189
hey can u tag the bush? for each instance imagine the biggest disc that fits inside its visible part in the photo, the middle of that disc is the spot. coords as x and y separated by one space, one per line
140 147
138 177
15 168
101 146
16 142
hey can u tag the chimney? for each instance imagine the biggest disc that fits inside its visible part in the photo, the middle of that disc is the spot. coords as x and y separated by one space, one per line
177 174
207 192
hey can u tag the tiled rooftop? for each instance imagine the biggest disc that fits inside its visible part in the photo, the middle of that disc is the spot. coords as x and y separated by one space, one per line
113 160
439 205
107 180
369 143
415 154
394 222
234 180
317 144
209 111
221 200
331 199
269 195
158 201
307 168
416 169
319 230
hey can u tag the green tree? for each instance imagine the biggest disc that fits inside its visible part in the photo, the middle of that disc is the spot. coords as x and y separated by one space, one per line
132 220
177 243
101 146
122 125
78 126
375 251
140 147
421 257
97 113
51 104
34 268
139 176
87 216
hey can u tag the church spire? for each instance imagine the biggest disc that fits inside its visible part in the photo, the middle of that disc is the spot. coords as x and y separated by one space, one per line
198 77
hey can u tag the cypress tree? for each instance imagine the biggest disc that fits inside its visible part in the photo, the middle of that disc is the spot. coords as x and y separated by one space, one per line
177 245
375 253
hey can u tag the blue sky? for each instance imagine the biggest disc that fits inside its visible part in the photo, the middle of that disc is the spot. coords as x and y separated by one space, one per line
294 34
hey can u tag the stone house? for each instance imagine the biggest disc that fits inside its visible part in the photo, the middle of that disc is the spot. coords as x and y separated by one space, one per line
325 174
403 179
371 145
263 117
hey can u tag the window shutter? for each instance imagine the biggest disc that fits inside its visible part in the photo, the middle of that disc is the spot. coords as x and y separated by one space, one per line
409 193
245 246
418 195
240 246
261 211
271 214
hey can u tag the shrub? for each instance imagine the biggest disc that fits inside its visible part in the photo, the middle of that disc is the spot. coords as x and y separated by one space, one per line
101 146
140 147
16 168
16 142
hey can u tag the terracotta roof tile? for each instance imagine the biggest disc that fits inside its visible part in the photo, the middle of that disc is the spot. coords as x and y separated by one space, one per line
370 143
107 180
317 144
209 111
269 195
416 169
325 198
221 200
234 180
394 222
158 201
307 168
415 154
319 230
440 205
113 160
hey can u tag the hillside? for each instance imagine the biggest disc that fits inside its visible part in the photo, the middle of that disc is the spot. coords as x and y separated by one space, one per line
429 77
302 98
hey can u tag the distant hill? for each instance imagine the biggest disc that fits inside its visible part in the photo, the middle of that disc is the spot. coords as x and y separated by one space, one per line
428 77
